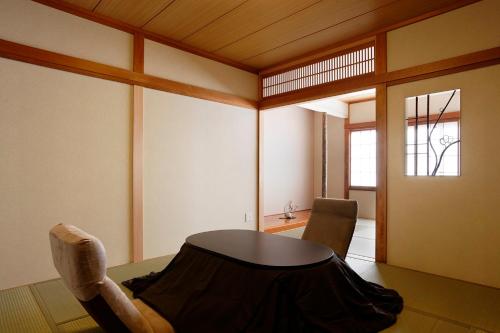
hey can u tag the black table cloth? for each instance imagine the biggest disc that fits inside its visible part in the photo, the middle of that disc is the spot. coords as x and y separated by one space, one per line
200 291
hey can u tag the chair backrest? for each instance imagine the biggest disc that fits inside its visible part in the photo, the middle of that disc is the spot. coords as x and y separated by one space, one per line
80 259
332 223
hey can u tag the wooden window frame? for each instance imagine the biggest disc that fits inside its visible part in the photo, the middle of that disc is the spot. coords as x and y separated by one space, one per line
349 128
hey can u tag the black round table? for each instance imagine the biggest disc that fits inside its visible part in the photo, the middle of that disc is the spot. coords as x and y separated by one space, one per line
261 249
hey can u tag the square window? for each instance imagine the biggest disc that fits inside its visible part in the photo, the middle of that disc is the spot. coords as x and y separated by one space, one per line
433 134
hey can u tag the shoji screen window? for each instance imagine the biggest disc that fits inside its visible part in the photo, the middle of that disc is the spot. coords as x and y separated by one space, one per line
363 158
433 134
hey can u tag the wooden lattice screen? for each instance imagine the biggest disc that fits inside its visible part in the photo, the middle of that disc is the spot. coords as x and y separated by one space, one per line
339 66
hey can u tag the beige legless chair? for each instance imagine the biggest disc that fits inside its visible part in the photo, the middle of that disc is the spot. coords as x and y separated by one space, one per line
80 259
332 223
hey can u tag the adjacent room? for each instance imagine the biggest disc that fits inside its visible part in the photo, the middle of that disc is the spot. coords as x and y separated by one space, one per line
295 159
260 166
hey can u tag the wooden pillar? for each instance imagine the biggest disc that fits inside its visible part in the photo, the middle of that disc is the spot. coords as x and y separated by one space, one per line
324 156
381 117
138 155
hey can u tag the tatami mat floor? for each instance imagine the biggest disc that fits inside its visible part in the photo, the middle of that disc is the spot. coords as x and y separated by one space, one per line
433 304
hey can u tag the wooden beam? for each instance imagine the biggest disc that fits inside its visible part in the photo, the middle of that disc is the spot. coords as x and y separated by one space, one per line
311 55
260 171
325 90
347 157
138 53
324 155
452 65
110 22
59 61
381 53
381 194
381 132
361 100
137 175
138 155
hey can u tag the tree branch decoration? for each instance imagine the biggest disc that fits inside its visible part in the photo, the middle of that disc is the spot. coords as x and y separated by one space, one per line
445 141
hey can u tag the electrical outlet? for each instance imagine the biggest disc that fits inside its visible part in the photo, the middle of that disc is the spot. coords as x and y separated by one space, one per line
248 217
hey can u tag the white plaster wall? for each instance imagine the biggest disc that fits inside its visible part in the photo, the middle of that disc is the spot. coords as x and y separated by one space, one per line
65 143
465 30
174 64
200 169
362 112
449 225
30 23
335 174
288 158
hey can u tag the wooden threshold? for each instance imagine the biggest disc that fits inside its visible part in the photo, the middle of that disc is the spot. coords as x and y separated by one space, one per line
277 223
67 63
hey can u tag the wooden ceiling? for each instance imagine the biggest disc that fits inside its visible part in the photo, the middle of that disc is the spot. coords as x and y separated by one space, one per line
260 33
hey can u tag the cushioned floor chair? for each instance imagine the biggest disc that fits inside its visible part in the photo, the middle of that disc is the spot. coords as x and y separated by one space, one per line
332 224
80 259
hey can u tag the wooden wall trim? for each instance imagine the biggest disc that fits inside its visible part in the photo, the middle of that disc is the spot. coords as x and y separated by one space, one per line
312 55
138 65
381 132
324 155
63 62
260 171
452 65
138 155
361 100
381 192
325 90
138 175
110 22
456 64
347 157
380 53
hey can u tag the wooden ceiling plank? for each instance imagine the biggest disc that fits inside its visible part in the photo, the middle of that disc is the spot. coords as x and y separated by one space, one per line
360 26
307 22
293 53
182 18
248 18
86 4
133 12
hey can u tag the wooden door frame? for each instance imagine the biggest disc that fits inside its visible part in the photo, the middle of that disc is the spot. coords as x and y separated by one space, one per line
381 126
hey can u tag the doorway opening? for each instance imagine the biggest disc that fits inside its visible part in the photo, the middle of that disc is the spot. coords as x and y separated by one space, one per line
321 148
